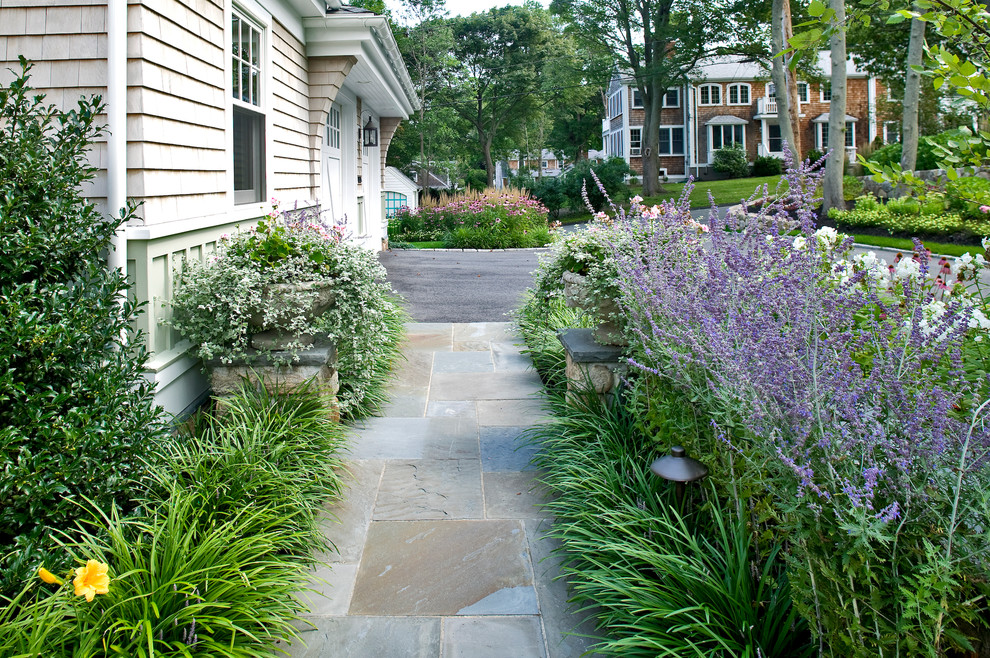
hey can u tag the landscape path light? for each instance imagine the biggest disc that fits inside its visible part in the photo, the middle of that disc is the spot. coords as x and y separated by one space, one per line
680 469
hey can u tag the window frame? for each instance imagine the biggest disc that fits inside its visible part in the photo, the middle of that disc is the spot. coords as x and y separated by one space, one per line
256 109
739 86
633 104
722 143
822 88
807 92
390 199
670 140
677 92
709 86
636 150
850 135
615 105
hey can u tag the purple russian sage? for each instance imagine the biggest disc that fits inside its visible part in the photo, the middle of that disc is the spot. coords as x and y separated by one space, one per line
849 382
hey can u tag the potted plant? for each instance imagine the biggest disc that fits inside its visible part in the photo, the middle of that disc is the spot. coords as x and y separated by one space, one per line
261 293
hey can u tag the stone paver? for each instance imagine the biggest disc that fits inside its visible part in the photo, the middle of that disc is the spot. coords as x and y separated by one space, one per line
440 547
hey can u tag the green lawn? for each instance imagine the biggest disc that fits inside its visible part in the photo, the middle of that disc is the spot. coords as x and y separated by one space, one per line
940 248
725 192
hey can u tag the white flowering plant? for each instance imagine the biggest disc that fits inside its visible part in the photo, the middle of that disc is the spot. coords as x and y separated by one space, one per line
213 302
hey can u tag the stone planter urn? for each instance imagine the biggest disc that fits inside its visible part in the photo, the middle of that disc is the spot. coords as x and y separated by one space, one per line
317 297
578 295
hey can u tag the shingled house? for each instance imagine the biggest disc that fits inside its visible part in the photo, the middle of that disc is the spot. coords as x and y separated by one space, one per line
733 101
215 107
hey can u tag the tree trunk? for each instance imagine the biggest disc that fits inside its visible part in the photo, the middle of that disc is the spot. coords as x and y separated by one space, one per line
650 141
780 74
793 105
912 91
832 183
489 165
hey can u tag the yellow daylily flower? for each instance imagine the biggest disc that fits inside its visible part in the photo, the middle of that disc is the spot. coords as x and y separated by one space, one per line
92 580
49 577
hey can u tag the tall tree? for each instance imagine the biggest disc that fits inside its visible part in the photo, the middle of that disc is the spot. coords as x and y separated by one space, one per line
912 96
658 41
502 54
832 183
780 74
426 46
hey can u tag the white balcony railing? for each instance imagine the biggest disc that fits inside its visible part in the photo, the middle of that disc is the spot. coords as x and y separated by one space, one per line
766 105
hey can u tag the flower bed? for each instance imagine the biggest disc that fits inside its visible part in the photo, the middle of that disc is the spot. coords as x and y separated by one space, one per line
214 560
492 219
840 405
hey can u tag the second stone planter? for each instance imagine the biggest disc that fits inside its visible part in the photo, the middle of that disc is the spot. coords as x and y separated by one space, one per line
577 294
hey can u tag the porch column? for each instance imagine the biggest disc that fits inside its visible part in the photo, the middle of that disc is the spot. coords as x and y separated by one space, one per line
386 129
326 77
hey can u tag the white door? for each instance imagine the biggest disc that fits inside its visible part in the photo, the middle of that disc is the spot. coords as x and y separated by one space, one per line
333 201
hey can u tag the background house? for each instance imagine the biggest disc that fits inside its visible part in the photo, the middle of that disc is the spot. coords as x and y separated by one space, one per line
215 108
730 100
400 191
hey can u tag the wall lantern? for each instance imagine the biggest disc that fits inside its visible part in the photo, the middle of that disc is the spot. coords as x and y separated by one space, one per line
370 134
677 467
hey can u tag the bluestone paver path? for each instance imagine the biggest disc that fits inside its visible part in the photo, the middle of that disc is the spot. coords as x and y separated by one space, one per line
439 534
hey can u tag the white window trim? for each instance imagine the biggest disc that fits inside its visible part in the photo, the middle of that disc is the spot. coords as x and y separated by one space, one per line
615 105
821 92
820 134
632 99
749 93
633 150
807 88
676 90
671 128
254 13
710 86
711 131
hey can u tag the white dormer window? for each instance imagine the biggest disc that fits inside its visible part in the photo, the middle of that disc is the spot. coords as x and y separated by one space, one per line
739 94
710 95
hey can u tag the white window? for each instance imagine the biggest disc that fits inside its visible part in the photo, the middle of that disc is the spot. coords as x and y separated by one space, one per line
672 97
246 40
545 164
823 135
891 132
637 99
333 127
635 141
802 91
615 105
739 94
710 95
724 135
671 141
826 92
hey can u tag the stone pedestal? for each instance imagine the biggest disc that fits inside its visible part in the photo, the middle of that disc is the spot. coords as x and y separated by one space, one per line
277 370
590 363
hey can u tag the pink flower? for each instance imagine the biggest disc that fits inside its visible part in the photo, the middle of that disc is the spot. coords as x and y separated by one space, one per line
984 209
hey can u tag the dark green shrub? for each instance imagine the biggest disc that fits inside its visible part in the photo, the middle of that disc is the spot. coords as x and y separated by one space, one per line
611 174
928 156
767 165
550 192
76 416
731 160
814 155
968 195
905 205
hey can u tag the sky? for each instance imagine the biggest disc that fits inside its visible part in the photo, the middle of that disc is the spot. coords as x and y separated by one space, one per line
463 7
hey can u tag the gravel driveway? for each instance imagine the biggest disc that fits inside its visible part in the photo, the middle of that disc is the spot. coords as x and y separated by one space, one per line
460 286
